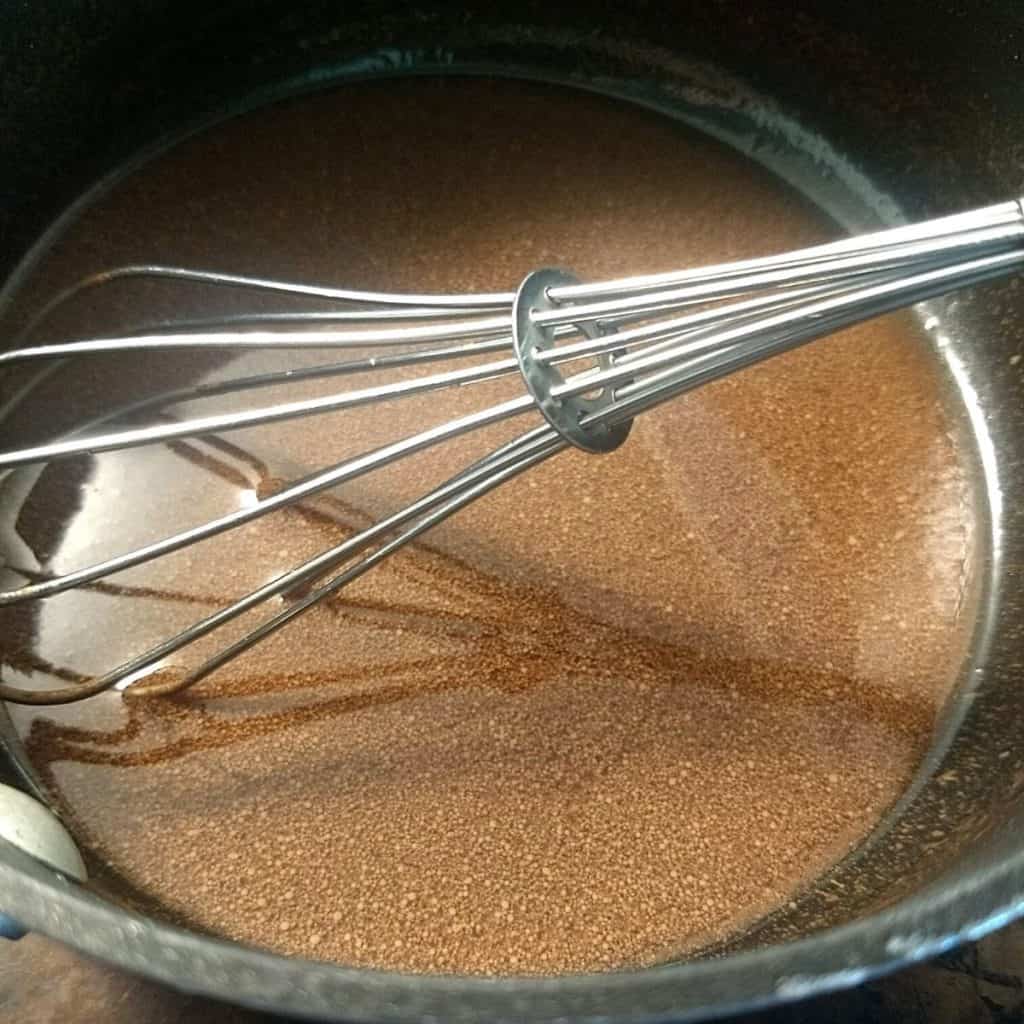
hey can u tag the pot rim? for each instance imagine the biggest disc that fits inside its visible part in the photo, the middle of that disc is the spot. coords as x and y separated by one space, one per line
924 925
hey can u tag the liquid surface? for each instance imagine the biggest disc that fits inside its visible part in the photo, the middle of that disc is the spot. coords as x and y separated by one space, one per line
613 712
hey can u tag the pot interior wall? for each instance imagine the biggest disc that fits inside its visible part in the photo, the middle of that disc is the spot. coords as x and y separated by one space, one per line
921 103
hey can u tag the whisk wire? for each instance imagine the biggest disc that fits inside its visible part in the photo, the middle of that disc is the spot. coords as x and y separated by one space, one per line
934 231
507 461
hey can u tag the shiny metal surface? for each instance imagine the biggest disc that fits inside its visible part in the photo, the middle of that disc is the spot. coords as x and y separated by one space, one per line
747 311
35 830
533 340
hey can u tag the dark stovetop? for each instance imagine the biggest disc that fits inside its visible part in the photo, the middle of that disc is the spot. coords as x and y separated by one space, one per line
43 982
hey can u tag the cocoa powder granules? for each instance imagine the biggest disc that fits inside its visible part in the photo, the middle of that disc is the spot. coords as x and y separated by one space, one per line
615 711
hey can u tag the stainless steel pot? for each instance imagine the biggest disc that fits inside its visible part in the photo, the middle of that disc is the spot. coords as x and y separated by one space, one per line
912 108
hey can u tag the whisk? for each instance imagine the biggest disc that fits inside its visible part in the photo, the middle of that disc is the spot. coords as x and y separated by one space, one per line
591 356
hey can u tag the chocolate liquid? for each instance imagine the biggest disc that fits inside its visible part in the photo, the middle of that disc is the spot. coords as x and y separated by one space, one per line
616 710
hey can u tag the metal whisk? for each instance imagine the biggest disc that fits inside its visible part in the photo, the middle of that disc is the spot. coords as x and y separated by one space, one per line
591 356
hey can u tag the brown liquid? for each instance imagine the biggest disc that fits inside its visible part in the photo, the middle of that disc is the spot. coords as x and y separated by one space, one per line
616 710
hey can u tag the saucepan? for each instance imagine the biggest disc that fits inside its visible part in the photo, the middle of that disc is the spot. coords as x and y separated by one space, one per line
913 107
